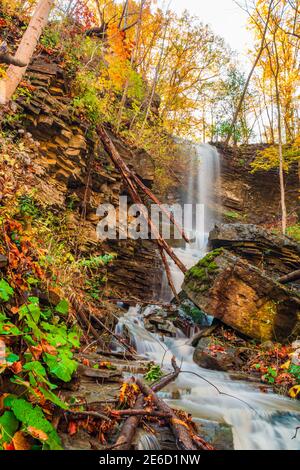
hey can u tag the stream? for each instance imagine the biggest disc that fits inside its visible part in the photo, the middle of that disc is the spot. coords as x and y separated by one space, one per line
259 420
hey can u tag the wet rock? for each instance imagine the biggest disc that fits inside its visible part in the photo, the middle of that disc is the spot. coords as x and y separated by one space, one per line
162 325
189 310
267 346
244 297
212 356
203 333
218 434
79 441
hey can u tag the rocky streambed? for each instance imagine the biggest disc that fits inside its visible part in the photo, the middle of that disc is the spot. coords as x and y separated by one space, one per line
235 336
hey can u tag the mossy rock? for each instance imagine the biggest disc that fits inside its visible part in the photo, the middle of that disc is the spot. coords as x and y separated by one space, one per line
244 297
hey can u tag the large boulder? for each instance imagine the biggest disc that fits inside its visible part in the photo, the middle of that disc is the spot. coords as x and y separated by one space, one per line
243 297
274 254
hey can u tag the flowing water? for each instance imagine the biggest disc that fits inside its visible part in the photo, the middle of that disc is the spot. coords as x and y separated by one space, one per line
259 420
203 177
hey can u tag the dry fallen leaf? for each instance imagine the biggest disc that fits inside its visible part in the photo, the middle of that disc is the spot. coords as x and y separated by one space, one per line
37 433
20 442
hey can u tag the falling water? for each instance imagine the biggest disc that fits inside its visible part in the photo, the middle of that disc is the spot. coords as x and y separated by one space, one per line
259 420
203 177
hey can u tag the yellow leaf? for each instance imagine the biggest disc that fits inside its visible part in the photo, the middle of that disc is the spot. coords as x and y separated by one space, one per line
294 391
286 365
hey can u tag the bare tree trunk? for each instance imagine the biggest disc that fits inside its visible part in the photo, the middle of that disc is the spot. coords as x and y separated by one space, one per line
281 170
25 50
262 46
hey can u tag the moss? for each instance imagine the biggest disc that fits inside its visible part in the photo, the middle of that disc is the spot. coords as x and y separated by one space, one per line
294 232
232 215
204 267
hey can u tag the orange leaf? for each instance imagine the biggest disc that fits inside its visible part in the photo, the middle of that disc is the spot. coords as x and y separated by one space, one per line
37 433
72 428
16 367
20 442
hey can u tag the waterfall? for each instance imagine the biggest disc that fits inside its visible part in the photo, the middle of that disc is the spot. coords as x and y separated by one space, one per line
200 190
258 420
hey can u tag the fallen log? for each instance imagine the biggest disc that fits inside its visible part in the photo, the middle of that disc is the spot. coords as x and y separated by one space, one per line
127 175
136 412
169 275
294 276
154 199
182 434
129 427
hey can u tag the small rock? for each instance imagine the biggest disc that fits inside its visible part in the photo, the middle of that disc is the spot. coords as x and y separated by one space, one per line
267 346
222 359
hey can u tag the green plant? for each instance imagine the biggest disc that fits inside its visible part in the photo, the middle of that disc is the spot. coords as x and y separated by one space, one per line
154 373
31 420
270 375
232 215
95 262
27 206
50 38
294 232
6 291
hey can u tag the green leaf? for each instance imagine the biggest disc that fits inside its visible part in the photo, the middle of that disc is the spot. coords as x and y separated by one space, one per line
6 291
36 367
37 370
11 358
62 307
54 398
74 338
33 417
61 366
9 329
8 427
30 311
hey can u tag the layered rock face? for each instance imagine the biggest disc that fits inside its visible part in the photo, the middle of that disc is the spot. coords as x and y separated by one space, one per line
275 255
253 198
242 291
80 174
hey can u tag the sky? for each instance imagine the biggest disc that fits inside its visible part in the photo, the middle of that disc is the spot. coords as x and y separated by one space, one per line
225 18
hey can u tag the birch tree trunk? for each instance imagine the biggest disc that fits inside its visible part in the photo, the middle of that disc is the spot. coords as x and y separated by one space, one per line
25 50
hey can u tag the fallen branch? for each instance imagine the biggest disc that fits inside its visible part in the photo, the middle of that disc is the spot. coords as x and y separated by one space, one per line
294 276
79 308
136 412
129 427
128 176
154 199
179 428
93 414
169 275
